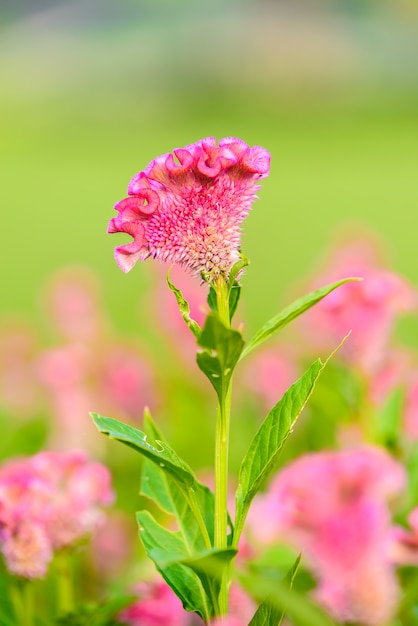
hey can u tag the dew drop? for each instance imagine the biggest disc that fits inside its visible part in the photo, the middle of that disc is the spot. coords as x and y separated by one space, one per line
162 465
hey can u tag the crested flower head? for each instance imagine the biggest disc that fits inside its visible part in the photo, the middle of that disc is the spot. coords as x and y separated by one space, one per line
187 207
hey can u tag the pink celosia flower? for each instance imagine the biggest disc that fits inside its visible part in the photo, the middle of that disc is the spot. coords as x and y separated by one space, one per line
368 308
157 606
332 507
48 501
27 551
78 488
187 208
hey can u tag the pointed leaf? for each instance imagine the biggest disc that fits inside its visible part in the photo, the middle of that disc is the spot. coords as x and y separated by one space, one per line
300 608
268 613
193 507
264 450
222 349
184 309
165 457
210 568
167 549
290 313
236 269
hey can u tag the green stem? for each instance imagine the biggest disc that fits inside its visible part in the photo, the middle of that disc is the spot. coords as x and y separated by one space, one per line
221 452
64 582
22 601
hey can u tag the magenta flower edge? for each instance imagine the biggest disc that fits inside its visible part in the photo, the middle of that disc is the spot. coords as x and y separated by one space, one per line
187 208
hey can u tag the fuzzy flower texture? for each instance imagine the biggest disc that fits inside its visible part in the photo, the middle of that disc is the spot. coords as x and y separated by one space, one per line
187 207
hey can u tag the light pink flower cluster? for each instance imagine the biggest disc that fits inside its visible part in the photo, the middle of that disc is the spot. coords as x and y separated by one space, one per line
159 606
187 208
332 506
48 502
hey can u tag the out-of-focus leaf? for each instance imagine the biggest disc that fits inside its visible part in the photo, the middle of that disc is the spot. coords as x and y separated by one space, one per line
268 613
210 568
104 614
290 313
300 608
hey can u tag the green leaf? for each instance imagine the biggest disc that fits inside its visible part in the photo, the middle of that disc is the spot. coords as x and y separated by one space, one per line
388 426
222 349
96 615
264 450
167 549
290 313
237 267
193 507
269 613
184 309
210 568
234 296
301 610
165 457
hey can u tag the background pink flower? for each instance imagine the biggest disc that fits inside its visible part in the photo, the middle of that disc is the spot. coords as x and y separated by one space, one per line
368 308
47 502
332 506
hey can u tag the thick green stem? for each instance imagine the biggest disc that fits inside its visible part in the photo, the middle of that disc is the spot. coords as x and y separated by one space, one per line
221 452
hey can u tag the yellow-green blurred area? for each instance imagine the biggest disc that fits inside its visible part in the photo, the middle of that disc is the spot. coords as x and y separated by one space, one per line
91 91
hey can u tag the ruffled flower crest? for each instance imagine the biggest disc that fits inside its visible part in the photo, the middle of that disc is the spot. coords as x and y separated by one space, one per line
187 207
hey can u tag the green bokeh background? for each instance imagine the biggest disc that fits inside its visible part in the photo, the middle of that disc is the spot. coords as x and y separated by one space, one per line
92 91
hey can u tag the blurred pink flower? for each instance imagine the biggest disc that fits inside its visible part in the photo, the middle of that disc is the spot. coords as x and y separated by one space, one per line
111 546
65 372
72 300
112 378
157 606
332 507
20 395
27 551
47 502
368 308
269 373
188 208
124 380
79 488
